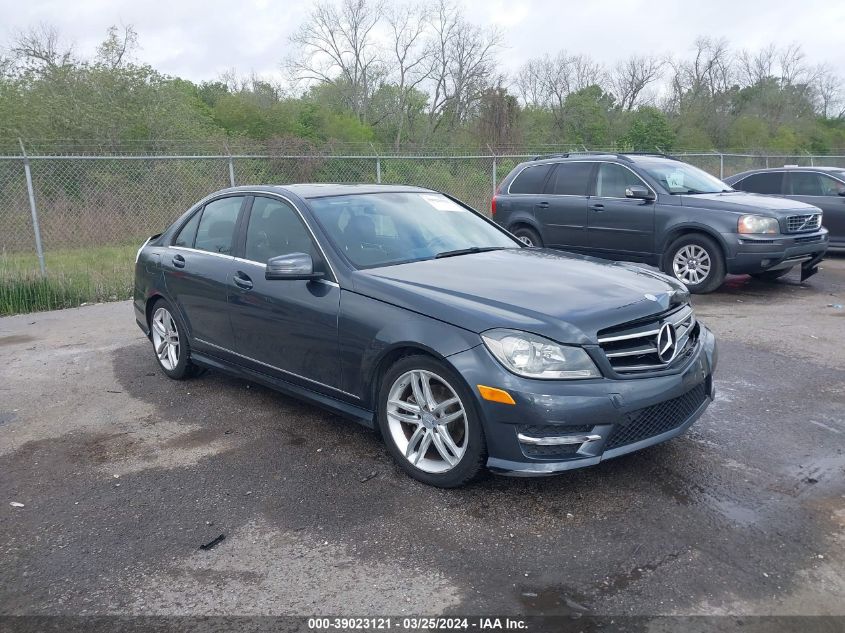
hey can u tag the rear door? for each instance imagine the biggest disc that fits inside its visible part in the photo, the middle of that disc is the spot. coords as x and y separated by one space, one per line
564 207
287 328
822 191
197 267
618 226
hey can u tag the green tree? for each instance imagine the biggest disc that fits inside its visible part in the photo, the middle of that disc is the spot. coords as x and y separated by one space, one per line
649 130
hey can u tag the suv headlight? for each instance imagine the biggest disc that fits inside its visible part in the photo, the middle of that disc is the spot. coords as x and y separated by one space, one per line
533 356
758 224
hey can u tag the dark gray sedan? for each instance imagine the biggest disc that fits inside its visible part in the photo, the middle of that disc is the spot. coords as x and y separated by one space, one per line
823 187
405 310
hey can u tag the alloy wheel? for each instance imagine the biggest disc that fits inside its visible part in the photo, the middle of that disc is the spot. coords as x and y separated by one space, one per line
691 264
427 421
525 240
165 339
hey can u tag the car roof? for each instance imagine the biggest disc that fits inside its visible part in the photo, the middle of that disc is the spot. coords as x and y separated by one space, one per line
321 190
622 157
763 170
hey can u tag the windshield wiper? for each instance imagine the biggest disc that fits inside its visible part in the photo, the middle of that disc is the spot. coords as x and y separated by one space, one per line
468 251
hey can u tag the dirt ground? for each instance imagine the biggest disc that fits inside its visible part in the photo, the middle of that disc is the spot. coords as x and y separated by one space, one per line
124 474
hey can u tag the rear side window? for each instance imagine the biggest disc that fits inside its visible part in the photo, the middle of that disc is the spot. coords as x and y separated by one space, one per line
764 182
217 225
188 233
612 180
530 180
571 179
806 183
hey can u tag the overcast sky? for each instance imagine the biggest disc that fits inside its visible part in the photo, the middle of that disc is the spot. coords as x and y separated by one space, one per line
199 39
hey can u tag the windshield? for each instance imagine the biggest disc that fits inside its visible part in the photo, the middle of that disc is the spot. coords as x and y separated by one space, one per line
677 177
380 229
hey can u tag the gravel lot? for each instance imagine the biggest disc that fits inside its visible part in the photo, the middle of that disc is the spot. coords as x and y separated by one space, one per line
124 473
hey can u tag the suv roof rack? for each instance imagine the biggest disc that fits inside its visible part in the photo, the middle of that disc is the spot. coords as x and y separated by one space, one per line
620 155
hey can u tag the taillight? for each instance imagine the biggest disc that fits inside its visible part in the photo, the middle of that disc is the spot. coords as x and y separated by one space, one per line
493 207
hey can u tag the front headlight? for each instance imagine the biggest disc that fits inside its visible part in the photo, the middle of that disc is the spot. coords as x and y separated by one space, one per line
757 224
533 356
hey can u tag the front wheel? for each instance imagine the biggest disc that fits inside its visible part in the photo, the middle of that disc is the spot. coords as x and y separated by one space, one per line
696 261
428 420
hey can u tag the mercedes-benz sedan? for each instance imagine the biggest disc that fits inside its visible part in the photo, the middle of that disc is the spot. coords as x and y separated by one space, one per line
411 313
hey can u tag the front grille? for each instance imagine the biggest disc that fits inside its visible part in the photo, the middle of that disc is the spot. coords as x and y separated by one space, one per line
656 419
633 347
804 222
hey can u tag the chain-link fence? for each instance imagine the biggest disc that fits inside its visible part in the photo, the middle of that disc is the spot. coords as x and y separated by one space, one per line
98 201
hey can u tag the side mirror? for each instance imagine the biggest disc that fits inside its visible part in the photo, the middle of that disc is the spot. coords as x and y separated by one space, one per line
291 267
639 192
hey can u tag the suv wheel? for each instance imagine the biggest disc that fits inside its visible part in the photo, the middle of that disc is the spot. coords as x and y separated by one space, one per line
528 236
427 418
696 261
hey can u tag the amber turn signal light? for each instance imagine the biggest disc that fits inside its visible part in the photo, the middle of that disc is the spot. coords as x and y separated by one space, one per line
495 395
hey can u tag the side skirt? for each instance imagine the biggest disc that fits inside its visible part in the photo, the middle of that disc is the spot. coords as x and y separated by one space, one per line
358 414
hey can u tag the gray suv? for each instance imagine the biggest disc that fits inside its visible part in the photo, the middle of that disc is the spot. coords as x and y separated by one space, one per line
660 211
823 187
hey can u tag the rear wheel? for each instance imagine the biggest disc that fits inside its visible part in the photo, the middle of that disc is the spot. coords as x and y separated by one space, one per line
170 342
696 261
427 418
528 236
771 275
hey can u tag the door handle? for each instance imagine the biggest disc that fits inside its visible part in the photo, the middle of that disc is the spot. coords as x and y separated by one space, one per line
178 261
543 205
597 207
242 280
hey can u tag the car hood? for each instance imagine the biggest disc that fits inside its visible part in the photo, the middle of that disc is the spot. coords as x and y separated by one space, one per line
742 202
565 297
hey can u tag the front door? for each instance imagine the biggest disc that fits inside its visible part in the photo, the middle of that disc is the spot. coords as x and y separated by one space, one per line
287 328
197 268
618 226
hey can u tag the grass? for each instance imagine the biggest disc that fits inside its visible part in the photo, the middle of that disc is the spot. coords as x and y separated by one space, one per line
74 277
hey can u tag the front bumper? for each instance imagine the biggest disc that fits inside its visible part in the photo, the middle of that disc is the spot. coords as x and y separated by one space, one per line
752 254
618 416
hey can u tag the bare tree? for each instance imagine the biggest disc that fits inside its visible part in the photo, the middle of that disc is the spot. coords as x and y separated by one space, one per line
828 92
411 54
709 72
755 67
337 45
41 47
632 76
118 46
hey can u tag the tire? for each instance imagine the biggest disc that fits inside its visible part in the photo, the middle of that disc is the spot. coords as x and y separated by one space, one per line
528 236
415 438
164 316
771 275
706 268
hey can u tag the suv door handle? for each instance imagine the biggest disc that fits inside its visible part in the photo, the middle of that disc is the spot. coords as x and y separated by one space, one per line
178 261
597 207
242 281
543 204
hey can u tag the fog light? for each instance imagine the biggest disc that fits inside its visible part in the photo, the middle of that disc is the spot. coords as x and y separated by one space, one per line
495 395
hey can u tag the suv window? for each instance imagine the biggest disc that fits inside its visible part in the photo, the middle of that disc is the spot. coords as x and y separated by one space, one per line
188 232
612 180
570 179
808 183
763 182
217 225
530 180
275 228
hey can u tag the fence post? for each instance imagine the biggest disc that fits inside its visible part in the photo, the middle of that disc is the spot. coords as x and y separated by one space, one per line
721 166
231 172
36 229
495 179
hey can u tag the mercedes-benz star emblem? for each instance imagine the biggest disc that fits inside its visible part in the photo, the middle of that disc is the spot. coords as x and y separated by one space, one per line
667 343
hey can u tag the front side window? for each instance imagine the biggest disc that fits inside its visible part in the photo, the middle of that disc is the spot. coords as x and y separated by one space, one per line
770 182
217 225
571 179
275 228
681 178
380 229
188 232
808 183
612 180
530 180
